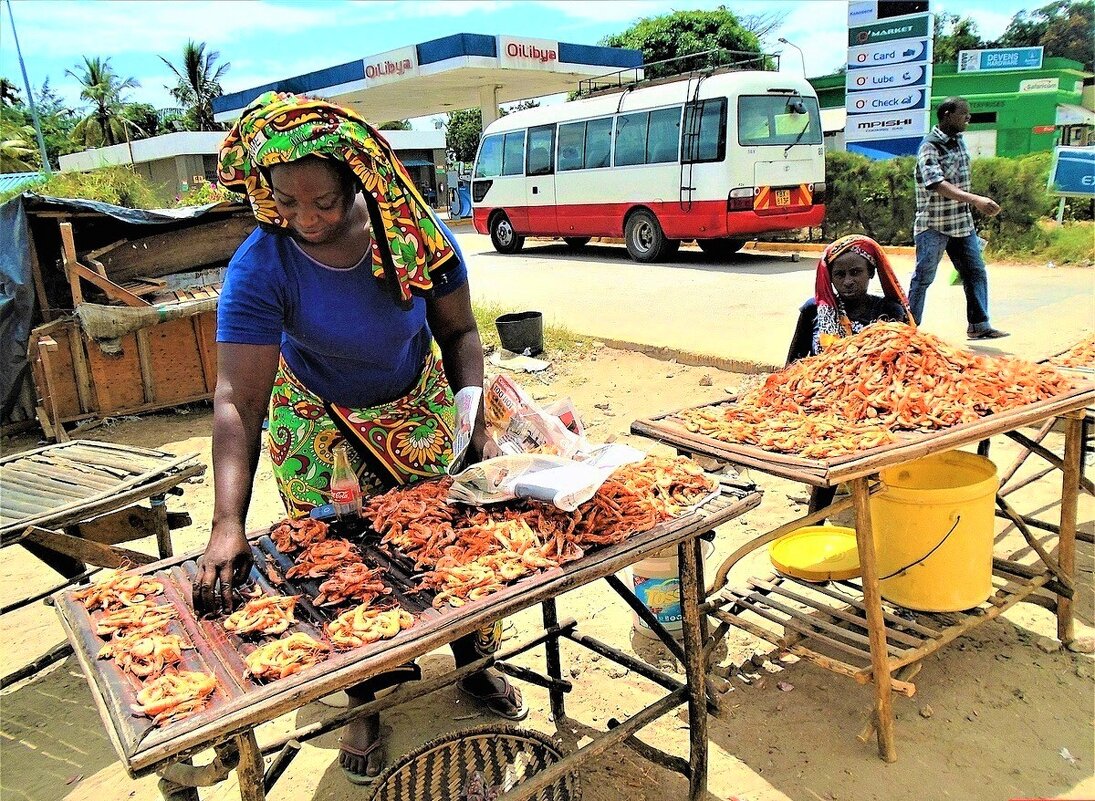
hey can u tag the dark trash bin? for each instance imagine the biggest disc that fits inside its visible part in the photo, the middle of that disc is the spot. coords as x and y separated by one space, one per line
522 332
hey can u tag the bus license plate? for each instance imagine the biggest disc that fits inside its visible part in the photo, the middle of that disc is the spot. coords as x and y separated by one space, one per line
783 197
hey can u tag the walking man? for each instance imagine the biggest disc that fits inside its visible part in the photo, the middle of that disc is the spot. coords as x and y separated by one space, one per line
944 221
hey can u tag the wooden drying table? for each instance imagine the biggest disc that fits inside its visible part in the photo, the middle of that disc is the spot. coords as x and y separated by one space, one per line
842 626
240 704
71 504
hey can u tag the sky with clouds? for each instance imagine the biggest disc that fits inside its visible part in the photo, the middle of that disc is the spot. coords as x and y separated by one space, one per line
265 40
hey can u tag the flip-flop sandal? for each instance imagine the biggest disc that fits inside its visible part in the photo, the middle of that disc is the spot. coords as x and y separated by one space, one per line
360 778
514 708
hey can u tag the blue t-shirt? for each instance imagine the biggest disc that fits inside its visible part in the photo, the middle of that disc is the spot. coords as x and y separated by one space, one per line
342 334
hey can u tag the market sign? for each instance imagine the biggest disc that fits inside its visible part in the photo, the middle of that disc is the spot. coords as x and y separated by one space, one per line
1001 58
885 78
527 54
888 81
887 100
888 31
391 66
910 51
1073 171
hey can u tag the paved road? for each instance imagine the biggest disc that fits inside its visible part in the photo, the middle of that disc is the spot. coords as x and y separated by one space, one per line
741 313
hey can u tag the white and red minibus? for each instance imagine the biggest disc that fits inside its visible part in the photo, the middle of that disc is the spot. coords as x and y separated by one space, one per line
716 159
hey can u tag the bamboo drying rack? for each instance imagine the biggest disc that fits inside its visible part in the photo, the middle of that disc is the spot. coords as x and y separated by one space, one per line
846 629
239 705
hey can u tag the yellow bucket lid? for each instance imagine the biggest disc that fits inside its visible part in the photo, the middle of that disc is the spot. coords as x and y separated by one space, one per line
817 553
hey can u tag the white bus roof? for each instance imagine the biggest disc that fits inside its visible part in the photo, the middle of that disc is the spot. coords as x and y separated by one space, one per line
744 82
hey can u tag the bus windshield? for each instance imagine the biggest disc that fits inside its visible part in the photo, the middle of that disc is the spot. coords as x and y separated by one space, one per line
778 120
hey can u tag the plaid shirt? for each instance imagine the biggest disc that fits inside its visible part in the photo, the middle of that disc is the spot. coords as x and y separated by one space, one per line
942 158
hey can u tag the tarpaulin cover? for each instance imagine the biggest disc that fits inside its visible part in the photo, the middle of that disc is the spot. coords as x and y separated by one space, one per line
17 287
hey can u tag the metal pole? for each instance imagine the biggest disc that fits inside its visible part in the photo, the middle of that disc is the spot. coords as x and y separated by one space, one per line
30 97
1060 206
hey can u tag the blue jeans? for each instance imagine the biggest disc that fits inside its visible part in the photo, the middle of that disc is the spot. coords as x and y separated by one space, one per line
965 255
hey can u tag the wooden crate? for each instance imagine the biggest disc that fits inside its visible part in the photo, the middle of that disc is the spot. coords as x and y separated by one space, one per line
162 365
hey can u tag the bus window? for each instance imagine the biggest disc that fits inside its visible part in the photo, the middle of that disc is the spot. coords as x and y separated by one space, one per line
572 139
772 120
664 137
489 163
541 146
631 138
513 153
598 143
709 142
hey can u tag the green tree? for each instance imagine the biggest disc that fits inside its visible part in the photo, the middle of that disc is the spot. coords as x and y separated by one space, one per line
395 125
953 34
18 153
9 93
1064 28
684 33
198 84
464 129
105 124
144 117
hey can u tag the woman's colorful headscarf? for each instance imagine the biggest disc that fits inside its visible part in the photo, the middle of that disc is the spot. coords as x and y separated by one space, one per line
278 128
832 320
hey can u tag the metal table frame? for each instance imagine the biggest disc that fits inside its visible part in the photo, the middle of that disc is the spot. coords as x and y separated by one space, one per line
862 473
237 747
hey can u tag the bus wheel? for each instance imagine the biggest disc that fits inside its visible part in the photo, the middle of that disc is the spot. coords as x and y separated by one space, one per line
576 242
720 248
644 237
503 237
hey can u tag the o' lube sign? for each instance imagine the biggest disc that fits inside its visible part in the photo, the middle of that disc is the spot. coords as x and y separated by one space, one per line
888 83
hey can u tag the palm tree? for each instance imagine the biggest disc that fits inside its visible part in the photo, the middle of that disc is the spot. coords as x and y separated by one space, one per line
105 124
17 154
198 84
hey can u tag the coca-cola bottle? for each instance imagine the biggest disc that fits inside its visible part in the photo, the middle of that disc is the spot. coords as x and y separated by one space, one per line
345 490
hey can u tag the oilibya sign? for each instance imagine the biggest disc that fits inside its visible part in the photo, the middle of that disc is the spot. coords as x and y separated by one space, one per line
525 53
391 66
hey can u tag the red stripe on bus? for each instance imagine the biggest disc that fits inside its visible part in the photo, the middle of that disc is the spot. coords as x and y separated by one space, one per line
702 219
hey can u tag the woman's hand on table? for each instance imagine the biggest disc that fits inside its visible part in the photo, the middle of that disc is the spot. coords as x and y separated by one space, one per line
225 565
482 446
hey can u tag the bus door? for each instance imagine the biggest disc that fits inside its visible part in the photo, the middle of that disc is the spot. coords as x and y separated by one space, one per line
540 180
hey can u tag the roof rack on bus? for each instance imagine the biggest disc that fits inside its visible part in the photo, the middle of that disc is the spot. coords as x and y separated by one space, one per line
706 62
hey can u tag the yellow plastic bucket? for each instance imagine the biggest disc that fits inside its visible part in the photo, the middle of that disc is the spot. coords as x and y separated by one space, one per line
933 532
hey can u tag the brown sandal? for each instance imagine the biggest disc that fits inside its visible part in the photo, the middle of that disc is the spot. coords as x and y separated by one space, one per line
360 778
509 703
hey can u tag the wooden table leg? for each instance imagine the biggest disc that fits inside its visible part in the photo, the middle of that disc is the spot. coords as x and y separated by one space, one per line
554 663
1066 547
695 669
251 768
163 530
876 625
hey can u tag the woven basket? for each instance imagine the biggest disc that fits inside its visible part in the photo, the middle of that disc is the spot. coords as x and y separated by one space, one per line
503 756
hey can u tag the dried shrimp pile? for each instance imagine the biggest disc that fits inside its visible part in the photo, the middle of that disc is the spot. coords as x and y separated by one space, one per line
1082 355
355 581
140 645
362 625
323 558
291 535
473 552
284 657
174 696
855 395
118 591
265 614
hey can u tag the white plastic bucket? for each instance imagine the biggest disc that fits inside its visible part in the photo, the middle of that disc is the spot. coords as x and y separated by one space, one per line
656 583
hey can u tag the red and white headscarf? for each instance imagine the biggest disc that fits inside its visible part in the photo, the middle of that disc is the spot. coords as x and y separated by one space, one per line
831 317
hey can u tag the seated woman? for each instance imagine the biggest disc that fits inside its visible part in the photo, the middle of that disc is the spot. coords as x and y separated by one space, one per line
841 307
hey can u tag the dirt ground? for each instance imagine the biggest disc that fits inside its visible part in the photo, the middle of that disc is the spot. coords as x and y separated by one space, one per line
1002 713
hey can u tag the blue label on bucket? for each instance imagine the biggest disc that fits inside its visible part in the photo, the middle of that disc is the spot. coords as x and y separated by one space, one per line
662 596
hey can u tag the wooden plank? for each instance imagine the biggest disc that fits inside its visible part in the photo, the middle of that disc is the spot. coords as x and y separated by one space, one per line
123 525
36 274
83 376
179 250
144 359
46 347
60 380
116 377
110 289
68 260
91 553
1066 544
174 360
205 335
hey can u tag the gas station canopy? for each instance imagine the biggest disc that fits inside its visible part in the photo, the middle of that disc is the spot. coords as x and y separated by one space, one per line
455 72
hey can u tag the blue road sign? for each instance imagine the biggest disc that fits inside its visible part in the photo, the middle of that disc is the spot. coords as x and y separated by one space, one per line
1073 171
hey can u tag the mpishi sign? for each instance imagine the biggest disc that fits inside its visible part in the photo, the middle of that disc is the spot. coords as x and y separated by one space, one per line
888 31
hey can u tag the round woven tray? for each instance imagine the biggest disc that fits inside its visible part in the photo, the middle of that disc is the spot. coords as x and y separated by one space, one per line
502 756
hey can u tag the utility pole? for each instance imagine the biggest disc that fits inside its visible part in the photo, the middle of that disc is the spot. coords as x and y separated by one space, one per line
30 97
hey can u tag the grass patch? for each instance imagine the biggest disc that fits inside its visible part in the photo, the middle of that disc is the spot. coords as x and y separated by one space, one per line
558 339
1071 243
119 186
